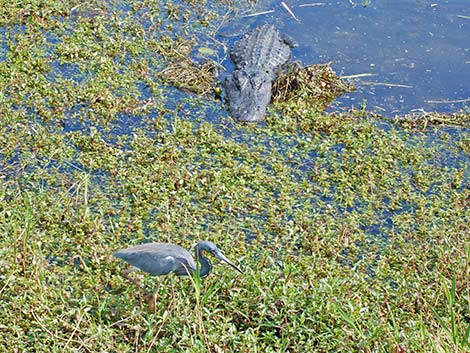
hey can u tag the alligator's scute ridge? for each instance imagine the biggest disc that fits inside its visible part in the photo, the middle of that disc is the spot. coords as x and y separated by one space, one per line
262 48
257 58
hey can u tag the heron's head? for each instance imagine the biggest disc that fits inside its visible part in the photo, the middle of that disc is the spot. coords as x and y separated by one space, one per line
212 249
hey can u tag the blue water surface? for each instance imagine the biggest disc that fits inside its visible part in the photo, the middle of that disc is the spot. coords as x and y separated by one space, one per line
405 55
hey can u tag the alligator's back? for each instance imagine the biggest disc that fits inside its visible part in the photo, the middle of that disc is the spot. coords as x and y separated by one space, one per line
263 49
257 58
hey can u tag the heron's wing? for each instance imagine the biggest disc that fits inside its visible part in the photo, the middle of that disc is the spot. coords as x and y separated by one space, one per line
181 260
158 258
186 266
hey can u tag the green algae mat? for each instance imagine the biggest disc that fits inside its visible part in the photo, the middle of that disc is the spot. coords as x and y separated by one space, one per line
352 230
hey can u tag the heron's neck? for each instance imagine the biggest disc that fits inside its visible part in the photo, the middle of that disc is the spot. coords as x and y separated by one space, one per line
204 263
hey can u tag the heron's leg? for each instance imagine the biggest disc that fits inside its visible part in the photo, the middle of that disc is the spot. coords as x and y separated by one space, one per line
152 299
155 294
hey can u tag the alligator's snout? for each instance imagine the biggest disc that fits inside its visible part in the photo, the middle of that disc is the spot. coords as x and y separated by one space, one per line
248 94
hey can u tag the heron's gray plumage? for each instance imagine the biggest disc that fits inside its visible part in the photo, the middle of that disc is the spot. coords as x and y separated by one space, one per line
159 259
162 258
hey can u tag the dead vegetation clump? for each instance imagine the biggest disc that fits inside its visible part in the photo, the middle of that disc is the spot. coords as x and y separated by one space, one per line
421 120
306 88
182 72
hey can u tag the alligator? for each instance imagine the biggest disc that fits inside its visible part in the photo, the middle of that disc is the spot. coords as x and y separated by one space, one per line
257 58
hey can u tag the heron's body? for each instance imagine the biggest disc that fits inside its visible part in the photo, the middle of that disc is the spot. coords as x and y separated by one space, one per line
160 259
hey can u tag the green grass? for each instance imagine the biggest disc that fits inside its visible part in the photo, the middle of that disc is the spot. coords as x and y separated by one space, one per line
352 230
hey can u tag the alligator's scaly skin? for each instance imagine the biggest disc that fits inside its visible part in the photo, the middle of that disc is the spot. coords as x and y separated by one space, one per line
257 58
263 48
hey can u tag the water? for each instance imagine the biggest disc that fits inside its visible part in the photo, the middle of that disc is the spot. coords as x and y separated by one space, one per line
412 54
409 54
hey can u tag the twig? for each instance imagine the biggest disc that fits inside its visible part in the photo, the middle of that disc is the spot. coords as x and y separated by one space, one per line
312 4
357 76
370 83
449 101
258 13
8 281
289 11
75 329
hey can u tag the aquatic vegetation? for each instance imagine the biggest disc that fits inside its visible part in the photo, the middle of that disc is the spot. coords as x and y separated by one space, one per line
352 230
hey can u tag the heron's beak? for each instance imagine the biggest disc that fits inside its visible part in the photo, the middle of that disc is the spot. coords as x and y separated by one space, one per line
222 257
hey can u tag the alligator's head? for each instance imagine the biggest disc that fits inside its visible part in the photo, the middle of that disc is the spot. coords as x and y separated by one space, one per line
248 94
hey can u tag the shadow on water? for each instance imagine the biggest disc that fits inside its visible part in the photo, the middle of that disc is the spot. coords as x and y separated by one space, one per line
407 54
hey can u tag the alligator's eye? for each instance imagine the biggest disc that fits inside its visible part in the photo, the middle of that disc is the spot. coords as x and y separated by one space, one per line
258 82
240 81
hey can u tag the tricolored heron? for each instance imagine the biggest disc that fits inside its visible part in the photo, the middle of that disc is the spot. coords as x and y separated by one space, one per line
160 259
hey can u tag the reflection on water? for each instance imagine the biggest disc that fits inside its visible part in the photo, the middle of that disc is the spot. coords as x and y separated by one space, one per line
413 54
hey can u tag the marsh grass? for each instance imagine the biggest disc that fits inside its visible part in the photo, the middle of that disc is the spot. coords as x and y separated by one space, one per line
457 333
352 230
